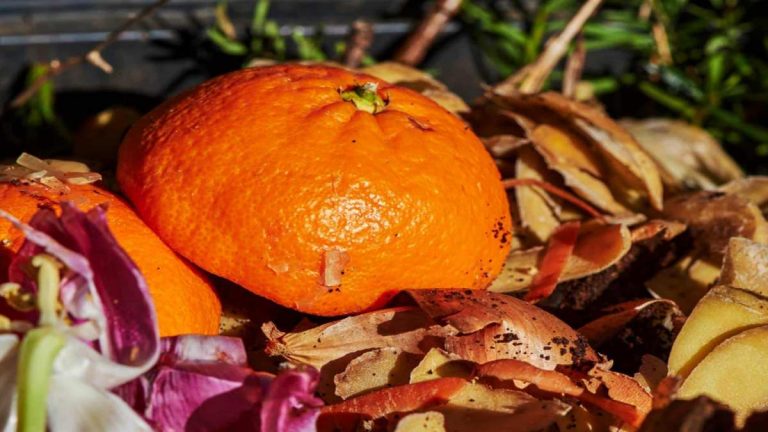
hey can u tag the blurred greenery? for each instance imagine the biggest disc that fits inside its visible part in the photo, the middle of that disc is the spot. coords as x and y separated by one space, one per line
263 40
702 60
705 61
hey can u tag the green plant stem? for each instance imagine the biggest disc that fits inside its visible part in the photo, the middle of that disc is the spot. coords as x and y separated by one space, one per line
684 108
37 353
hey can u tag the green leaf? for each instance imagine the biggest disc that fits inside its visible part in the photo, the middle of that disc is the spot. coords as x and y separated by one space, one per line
308 48
223 22
226 45
259 19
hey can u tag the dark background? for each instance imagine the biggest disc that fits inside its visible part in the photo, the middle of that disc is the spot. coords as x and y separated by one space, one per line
161 55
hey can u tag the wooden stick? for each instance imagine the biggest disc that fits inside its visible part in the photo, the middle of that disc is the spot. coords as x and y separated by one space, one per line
574 68
531 78
359 41
93 56
417 44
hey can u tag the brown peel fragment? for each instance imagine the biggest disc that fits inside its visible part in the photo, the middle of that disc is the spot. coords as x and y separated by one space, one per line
688 157
384 367
556 256
697 415
627 169
479 408
579 171
430 421
347 415
625 278
534 205
625 397
617 318
405 328
715 217
438 363
597 247
753 188
495 326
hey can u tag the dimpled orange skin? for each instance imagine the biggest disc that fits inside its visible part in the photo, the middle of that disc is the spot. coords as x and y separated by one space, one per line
257 174
184 299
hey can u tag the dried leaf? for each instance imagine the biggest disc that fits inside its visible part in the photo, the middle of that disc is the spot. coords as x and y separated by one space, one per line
687 156
555 259
605 327
495 326
405 328
385 367
598 247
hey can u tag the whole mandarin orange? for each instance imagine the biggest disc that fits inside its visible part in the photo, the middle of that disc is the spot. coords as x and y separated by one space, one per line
324 190
184 299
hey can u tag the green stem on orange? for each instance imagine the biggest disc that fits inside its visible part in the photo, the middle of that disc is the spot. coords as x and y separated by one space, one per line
365 97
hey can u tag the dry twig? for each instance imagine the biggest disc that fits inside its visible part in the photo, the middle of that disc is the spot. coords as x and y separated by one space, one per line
415 47
93 56
574 68
531 78
360 39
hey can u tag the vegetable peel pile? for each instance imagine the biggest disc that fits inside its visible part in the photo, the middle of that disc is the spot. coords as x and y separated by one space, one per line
634 284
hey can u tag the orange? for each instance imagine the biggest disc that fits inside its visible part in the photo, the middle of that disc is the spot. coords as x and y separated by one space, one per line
184 299
322 189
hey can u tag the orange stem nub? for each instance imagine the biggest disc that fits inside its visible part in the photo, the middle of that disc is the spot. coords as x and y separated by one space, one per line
365 97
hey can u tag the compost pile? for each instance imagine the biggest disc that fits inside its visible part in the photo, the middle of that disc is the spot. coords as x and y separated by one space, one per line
634 297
